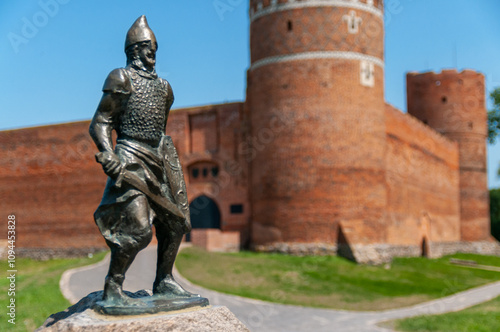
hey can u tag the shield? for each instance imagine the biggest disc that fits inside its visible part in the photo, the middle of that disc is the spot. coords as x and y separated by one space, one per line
175 177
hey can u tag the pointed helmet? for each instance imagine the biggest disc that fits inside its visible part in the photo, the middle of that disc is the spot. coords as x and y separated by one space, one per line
139 32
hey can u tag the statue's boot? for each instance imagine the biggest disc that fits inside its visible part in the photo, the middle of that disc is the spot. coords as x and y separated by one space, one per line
168 246
114 295
113 286
168 286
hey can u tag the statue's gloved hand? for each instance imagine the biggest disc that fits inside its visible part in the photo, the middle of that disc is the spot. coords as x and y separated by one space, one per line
110 163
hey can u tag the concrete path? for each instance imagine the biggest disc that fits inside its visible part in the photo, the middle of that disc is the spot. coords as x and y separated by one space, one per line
264 316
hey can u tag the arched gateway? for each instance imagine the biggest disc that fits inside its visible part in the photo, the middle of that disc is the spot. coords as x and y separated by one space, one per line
204 214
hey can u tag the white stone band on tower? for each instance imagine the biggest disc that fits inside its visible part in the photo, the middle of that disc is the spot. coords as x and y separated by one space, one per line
292 4
318 55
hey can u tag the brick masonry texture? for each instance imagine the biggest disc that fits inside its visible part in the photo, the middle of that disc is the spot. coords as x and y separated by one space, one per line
313 29
423 181
50 181
453 104
325 162
313 162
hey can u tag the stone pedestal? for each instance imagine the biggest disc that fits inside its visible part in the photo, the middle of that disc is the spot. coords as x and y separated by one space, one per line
80 317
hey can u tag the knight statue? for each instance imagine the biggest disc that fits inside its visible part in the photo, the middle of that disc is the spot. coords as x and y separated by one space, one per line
145 185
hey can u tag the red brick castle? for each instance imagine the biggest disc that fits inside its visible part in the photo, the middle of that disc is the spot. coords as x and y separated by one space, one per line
313 162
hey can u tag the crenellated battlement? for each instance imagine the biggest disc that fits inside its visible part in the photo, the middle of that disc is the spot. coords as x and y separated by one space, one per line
449 91
446 74
464 84
260 8
449 101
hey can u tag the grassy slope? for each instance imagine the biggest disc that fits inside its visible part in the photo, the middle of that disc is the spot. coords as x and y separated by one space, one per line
37 290
332 282
313 281
481 318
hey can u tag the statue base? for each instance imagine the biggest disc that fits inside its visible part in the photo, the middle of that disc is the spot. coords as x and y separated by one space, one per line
150 305
87 315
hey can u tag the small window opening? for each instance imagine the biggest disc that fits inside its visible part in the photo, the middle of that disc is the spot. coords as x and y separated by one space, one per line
236 208
290 26
215 171
205 172
195 172
444 100
471 125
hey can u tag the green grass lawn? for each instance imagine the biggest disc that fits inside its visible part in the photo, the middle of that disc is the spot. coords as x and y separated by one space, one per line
481 318
37 290
330 281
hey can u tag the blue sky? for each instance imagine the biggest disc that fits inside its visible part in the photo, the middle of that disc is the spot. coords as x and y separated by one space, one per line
57 53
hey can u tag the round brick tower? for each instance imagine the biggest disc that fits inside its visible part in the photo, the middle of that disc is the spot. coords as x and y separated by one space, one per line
315 108
454 104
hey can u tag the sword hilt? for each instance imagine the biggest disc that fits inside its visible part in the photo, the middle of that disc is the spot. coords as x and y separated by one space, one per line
99 157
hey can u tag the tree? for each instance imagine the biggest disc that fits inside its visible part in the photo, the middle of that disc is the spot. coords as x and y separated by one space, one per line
495 212
493 133
494 118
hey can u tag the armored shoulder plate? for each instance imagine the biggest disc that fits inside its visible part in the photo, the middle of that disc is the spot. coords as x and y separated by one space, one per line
170 93
118 81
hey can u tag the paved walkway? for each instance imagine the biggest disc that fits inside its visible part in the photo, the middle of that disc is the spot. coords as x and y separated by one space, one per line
264 316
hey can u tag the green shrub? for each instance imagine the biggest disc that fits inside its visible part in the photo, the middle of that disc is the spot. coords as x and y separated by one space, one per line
495 212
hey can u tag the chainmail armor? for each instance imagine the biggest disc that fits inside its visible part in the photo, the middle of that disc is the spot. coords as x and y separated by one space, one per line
145 115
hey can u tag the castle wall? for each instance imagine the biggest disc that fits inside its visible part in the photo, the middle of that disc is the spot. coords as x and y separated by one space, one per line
209 137
423 183
50 180
454 104
314 161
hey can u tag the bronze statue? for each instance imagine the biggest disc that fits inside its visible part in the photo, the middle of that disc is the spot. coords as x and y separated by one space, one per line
145 185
